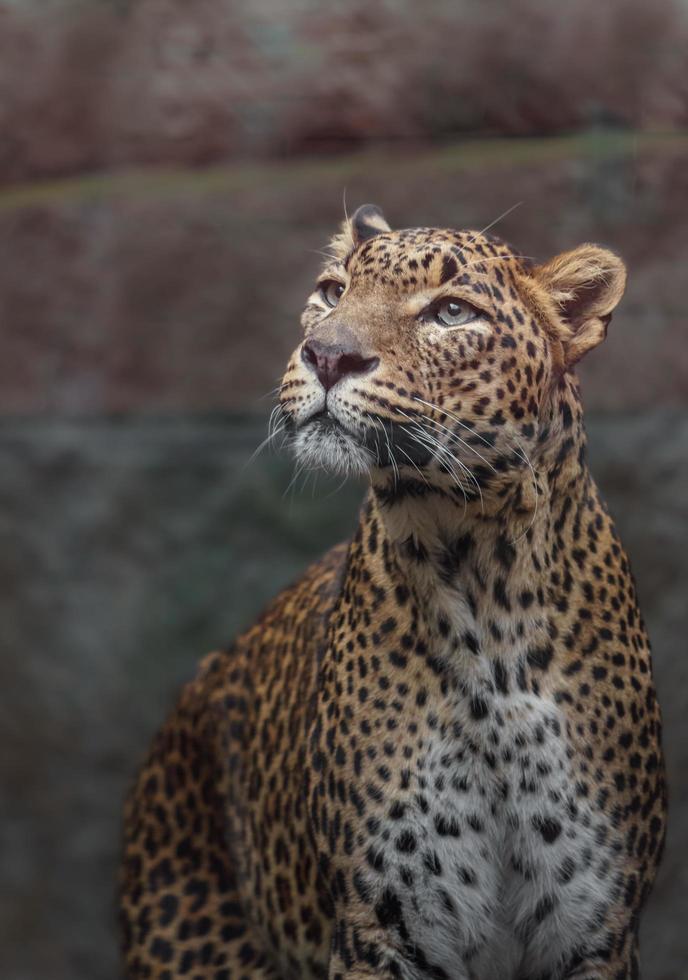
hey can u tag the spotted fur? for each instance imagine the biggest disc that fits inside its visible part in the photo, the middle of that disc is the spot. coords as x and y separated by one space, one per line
437 755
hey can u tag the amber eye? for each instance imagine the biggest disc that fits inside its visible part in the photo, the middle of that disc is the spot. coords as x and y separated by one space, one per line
331 291
451 312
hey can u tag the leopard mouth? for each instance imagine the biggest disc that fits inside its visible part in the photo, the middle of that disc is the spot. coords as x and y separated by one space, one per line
326 422
325 442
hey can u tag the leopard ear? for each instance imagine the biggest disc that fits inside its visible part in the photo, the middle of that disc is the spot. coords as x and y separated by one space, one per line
364 223
367 221
585 286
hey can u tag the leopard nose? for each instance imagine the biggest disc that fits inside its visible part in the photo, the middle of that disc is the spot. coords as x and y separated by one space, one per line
332 363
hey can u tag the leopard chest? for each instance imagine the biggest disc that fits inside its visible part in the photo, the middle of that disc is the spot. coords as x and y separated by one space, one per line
489 862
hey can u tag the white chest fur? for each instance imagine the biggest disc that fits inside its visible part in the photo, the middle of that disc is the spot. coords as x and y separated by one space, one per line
494 856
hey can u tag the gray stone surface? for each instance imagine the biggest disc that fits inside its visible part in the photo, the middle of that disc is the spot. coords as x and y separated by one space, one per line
161 291
131 547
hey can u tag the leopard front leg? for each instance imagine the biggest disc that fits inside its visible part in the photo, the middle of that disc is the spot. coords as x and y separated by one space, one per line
374 954
355 959
361 951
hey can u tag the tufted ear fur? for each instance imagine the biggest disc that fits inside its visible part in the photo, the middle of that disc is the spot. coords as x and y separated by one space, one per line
585 286
365 222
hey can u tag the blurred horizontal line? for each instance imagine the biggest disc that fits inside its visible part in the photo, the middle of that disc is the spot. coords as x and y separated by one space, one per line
465 154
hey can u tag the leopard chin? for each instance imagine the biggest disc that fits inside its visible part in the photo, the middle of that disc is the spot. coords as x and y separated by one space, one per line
325 444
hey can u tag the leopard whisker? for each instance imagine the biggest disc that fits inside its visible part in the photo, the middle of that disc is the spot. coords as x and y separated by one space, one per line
273 391
452 434
497 258
428 442
298 470
415 466
439 447
266 442
522 453
276 417
536 489
336 490
326 255
455 418
395 468
491 225
464 469
376 429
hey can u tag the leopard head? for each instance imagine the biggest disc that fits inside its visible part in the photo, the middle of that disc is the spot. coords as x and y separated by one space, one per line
441 356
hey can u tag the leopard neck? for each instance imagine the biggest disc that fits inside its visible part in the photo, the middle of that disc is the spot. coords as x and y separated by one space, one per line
501 561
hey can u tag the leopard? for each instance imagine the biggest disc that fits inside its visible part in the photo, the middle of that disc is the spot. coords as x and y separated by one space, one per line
438 753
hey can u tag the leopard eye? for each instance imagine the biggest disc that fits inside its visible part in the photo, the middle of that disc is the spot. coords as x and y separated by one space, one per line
331 291
452 312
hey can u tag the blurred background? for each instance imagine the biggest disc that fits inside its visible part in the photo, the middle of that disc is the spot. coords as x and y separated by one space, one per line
168 171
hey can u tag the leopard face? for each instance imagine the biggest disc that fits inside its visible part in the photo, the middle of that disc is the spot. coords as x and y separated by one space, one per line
434 353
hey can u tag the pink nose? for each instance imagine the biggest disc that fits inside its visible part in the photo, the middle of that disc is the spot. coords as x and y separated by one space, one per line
332 363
